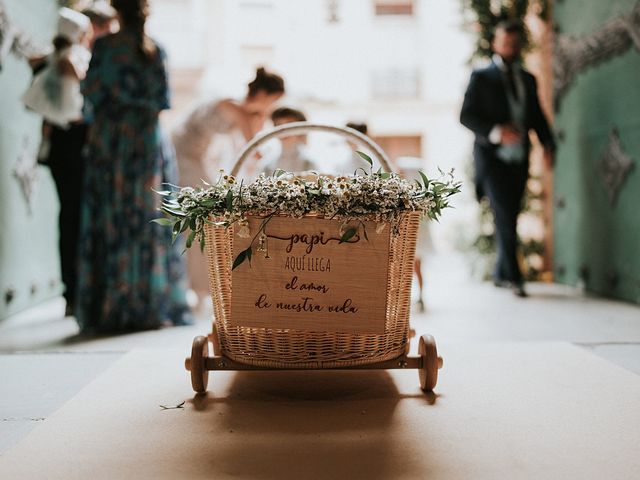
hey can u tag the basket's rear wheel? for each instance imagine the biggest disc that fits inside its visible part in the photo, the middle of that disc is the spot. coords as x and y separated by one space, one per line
431 362
199 372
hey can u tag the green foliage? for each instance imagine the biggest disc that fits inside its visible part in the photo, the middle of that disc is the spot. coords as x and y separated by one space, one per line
376 196
348 234
481 16
366 158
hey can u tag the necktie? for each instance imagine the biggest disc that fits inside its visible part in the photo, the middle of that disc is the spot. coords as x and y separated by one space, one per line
511 81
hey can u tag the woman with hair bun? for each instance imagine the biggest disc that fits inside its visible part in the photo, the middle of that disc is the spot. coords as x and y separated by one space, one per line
195 137
130 277
205 128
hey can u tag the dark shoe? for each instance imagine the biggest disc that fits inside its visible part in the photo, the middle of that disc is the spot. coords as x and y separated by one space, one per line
519 291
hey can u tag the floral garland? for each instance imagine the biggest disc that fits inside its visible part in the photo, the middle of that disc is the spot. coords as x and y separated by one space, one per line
377 196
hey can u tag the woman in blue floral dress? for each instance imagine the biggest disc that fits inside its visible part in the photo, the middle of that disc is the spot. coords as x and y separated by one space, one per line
130 277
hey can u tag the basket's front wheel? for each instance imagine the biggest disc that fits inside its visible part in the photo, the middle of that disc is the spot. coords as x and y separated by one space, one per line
431 362
196 364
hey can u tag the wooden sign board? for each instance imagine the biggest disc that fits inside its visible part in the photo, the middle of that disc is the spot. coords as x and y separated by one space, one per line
307 280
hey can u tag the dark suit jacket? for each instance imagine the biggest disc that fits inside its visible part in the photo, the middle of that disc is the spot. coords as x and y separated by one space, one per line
485 106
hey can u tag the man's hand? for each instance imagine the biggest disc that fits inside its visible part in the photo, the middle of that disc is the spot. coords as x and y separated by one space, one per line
510 134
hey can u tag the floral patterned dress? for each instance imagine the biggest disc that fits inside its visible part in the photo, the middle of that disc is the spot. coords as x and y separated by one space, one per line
130 277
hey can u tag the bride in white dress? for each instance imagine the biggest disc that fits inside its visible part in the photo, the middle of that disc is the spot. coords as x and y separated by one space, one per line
208 132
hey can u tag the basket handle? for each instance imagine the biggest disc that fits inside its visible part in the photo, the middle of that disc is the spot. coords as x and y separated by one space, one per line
303 127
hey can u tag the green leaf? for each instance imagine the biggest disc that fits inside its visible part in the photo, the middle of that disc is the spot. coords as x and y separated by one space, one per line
202 243
366 157
346 236
425 180
190 238
279 172
385 175
165 407
239 259
165 222
248 250
172 212
229 200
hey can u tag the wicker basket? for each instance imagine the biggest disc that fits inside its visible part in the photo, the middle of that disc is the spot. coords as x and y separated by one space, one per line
318 348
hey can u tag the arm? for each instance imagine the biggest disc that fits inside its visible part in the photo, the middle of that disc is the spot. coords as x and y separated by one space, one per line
473 114
539 121
164 92
541 127
70 98
93 86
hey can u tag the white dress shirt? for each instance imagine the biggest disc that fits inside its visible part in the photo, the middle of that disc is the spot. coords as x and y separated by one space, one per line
513 153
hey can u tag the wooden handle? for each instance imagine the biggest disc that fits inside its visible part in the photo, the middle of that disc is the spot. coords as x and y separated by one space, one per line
304 127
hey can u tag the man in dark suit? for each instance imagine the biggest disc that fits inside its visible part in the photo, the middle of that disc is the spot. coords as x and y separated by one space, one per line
501 107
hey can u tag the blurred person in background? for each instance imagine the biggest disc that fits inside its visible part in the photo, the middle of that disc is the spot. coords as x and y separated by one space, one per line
55 94
293 156
195 139
103 19
130 276
501 107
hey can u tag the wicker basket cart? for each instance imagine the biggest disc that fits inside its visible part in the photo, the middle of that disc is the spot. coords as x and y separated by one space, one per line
255 329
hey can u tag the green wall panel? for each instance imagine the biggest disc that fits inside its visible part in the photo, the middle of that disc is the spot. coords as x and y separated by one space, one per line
595 241
28 239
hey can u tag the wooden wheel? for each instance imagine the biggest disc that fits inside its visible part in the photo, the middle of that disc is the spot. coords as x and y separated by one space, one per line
431 362
196 364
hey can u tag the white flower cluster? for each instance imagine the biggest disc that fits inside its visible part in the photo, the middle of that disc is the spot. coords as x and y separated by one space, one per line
379 196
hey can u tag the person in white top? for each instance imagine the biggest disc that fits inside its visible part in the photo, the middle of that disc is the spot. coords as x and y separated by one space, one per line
55 95
55 90
293 155
197 139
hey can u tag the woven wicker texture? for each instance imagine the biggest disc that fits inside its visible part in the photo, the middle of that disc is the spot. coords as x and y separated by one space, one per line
281 348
